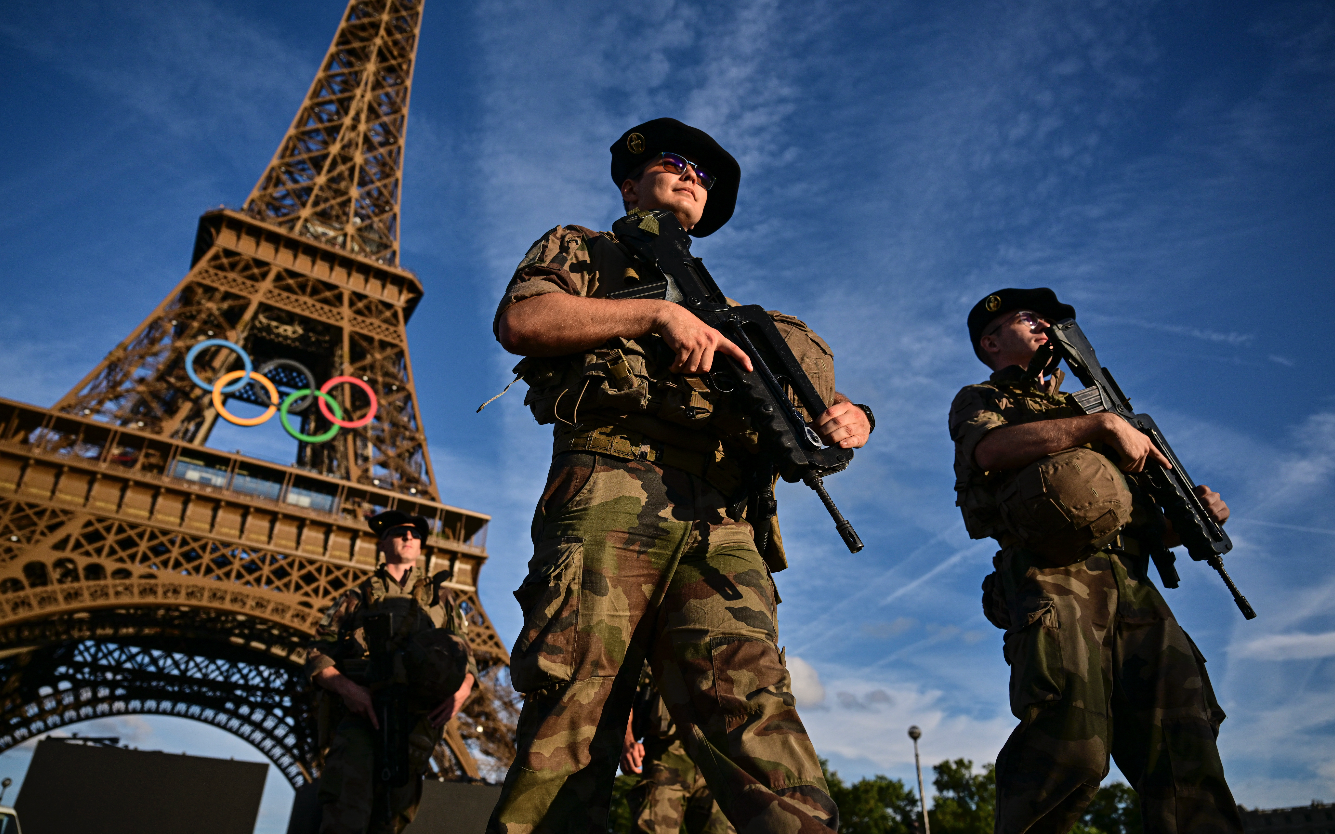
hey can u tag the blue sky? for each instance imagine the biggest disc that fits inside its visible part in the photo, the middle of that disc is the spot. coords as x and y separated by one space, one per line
1167 167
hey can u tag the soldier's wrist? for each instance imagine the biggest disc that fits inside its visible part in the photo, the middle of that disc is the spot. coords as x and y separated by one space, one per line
871 418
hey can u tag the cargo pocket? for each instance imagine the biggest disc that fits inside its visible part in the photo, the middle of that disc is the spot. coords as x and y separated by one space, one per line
1214 714
544 654
749 679
1034 652
994 602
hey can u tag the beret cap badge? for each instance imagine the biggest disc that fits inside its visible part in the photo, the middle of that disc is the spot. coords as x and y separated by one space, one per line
635 143
992 303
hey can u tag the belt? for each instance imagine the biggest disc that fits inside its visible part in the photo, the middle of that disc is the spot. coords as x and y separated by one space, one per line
720 471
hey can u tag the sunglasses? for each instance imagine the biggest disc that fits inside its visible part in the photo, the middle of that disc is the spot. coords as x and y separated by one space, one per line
1030 319
676 164
402 532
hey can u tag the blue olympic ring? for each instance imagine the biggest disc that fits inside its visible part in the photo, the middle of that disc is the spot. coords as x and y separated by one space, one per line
235 386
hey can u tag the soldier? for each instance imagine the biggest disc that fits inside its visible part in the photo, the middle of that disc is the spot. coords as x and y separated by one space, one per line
1099 665
428 661
641 547
672 793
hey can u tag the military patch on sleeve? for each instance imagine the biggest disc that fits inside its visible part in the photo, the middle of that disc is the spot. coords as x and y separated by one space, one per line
532 257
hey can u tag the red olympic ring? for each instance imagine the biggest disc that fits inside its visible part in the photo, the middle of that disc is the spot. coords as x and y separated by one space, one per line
348 424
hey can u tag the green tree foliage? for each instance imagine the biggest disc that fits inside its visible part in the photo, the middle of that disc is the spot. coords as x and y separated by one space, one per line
965 801
879 805
620 815
1115 809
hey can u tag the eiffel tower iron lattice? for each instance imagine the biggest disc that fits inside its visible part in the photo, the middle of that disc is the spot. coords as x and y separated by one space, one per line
143 572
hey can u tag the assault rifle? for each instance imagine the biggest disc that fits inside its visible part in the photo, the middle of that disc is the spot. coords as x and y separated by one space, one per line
389 699
1172 489
790 445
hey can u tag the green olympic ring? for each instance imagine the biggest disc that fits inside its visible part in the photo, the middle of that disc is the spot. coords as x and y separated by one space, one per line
309 438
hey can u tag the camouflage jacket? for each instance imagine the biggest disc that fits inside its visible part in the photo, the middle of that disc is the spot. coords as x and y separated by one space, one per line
1006 398
627 379
340 639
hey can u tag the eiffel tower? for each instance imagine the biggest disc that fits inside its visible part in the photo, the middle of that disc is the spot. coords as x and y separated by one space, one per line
142 572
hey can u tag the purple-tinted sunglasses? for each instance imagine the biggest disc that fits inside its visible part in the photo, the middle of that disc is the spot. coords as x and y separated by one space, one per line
676 163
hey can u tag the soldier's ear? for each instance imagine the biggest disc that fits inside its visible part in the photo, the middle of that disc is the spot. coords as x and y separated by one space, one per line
990 347
630 193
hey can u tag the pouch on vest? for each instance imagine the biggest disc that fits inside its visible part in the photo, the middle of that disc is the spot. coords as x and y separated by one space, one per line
436 662
1066 506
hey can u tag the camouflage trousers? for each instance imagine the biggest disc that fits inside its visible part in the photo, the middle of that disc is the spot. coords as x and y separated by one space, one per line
352 800
633 560
673 794
1100 667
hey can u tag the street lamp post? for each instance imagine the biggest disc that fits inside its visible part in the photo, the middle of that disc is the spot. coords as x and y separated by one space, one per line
915 734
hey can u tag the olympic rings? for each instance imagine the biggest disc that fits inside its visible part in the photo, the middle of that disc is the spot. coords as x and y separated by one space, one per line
243 421
305 403
194 377
311 438
293 403
355 424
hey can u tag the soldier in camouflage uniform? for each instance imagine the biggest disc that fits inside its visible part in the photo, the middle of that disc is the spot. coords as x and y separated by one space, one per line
433 662
1099 665
672 793
641 545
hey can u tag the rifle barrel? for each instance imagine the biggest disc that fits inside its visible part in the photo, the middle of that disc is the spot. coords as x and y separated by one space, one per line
1243 605
845 528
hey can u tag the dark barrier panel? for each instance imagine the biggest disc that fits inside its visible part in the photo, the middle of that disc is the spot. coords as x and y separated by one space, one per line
76 788
447 808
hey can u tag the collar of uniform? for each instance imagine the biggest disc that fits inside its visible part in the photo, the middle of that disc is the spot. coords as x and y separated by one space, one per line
382 571
1016 377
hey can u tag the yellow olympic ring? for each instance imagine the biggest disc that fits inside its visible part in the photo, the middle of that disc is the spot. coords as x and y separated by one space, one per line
243 421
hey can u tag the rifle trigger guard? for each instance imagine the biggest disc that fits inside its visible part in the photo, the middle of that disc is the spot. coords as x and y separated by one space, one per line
721 382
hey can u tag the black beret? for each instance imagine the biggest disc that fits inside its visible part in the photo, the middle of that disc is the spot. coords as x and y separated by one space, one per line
644 142
395 518
1041 300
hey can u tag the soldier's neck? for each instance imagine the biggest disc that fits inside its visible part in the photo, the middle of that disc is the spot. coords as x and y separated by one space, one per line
398 570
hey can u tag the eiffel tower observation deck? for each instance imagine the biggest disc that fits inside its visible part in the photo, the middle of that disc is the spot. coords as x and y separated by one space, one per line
142 572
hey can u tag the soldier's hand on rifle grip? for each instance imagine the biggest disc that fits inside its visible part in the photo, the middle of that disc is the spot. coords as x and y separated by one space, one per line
1214 505
1134 446
844 425
694 341
450 708
356 697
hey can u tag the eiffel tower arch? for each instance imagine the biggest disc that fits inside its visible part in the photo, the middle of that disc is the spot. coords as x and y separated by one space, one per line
142 572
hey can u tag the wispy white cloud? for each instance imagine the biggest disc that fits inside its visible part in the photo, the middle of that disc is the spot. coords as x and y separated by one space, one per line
867 720
1230 338
1289 647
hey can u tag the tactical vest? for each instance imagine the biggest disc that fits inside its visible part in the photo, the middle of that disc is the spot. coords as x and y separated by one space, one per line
1018 402
393 639
1063 506
629 378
